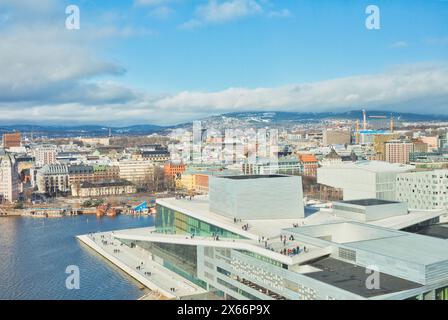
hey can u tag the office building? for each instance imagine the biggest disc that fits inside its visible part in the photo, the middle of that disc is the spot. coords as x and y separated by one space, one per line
104 141
103 188
289 165
398 151
309 164
425 190
336 136
363 179
173 170
419 146
45 155
9 177
432 142
136 171
53 179
379 144
12 140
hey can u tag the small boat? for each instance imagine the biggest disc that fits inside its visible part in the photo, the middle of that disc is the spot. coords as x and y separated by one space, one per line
106 210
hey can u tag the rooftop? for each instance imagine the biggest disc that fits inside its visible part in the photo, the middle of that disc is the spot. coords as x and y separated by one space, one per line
373 166
105 183
410 247
373 239
344 232
247 177
352 278
435 231
368 202
307 158
198 208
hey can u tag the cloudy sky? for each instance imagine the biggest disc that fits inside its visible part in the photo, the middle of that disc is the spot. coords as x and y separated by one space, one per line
169 61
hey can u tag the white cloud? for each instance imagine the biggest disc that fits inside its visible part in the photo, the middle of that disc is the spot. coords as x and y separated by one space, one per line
112 31
413 88
191 24
284 13
400 44
50 74
161 12
420 87
151 3
215 11
437 41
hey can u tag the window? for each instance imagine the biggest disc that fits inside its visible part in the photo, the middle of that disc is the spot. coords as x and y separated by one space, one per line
347 254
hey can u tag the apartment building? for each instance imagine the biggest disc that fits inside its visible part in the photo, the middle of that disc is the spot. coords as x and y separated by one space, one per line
136 171
398 151
9 177
12 140
45 154
425 190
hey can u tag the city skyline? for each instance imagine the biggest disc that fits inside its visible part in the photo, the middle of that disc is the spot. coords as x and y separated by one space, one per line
171 61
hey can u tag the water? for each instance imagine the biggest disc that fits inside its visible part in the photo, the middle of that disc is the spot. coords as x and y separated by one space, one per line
34 254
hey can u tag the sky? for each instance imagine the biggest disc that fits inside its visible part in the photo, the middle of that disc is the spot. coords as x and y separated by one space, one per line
171 61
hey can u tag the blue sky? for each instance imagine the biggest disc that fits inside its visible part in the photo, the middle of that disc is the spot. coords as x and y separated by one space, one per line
166 61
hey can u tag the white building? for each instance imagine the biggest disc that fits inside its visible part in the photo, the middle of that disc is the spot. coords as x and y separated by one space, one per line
319 257
367 210
53 179
45 155
9 179
284 165
425 190
136 171
250 197
363 179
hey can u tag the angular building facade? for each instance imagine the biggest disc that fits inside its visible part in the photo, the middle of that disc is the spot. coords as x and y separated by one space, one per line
249 197
424 190
280 257
363 179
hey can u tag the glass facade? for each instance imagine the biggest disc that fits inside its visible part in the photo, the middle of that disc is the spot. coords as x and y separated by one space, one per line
264 259
174 222
442 293
237 290
181 259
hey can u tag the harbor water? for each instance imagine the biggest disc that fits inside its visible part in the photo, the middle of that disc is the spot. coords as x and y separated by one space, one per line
35 252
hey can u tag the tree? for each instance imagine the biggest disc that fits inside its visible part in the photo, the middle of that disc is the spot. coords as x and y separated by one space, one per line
159 179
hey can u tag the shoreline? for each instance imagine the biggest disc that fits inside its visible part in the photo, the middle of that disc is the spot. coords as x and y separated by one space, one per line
156 293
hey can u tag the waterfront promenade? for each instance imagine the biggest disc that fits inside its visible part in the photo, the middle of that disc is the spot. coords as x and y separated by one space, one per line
138 263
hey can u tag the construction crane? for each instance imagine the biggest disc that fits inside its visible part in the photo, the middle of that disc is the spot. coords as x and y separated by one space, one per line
357 132
391 123
364 119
